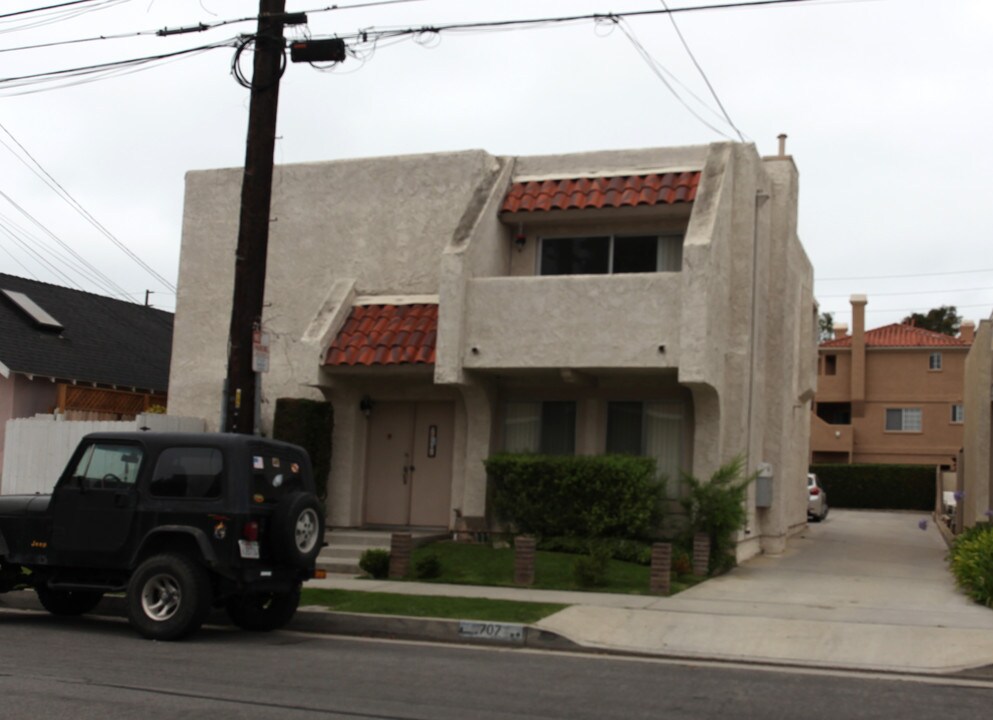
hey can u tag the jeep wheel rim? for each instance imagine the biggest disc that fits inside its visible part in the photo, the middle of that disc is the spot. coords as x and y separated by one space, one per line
305 533
160 598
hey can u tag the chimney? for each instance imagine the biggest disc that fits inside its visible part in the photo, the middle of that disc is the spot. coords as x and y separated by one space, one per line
858 354
967 332
782 145
840 330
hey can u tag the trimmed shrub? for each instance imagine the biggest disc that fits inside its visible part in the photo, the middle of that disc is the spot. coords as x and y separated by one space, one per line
878 487
591 570
427 567
717 508
375 562
585 496
972 563
307 423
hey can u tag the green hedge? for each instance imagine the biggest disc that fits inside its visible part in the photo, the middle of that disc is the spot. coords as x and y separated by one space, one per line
972 562
878 487
587 496
307 423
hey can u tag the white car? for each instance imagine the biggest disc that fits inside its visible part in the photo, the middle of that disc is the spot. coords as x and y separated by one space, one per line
817 504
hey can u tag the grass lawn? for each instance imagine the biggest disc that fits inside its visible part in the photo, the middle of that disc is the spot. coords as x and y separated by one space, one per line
471 564
455 608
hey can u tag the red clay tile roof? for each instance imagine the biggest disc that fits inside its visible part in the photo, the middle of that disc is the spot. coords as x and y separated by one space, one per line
386 335
601 192
899 335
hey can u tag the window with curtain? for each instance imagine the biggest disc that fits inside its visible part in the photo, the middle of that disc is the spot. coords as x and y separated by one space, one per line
548 428
651 429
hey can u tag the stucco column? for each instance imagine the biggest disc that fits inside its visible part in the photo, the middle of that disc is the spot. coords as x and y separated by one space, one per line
707 431
344 504
480 402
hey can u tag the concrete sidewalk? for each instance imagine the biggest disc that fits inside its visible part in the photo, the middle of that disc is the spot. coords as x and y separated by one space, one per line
863 590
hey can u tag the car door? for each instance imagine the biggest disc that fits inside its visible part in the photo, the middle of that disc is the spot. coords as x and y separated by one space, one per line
93 506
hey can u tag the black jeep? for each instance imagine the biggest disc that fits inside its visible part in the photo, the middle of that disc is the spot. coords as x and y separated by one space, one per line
180 522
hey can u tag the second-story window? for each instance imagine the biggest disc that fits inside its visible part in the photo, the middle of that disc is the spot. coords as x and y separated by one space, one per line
958 413
903 420
607 254
830 364
934 361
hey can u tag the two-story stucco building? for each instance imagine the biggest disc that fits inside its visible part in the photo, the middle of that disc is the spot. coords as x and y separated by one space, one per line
892 394
450 306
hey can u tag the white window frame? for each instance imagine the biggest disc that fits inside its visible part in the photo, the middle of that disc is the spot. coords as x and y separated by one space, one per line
958 413
934 361
909 416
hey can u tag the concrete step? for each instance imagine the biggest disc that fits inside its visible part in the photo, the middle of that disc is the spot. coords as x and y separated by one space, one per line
347 551
342 567
363 538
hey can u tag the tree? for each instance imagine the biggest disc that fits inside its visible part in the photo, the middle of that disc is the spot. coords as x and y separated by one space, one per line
825 326
942 319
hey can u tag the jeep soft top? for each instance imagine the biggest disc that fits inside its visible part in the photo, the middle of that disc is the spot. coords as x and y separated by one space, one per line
181 522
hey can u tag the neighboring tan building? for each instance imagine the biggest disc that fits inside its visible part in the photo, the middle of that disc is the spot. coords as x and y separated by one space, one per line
889 395
453 305
976 467
84 356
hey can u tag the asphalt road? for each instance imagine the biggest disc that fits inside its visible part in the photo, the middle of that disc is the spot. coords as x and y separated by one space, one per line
98 668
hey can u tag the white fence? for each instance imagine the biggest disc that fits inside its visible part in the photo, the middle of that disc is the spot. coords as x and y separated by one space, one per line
37 449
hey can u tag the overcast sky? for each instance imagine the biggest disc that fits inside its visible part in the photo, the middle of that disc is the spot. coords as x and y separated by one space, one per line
886 104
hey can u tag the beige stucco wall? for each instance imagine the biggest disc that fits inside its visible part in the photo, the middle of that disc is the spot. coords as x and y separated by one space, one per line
735 323
978 430
897 378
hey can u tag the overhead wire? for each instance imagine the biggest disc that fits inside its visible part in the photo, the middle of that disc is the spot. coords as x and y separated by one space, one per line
97 276
706 80
53 184
896 277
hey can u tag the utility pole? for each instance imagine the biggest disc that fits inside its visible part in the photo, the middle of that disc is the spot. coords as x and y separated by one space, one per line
253 227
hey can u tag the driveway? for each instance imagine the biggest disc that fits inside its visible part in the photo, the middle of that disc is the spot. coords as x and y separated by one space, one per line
863 590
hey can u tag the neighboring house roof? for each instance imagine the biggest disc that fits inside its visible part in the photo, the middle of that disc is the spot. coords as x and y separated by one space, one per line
899 335
602 192
387 335
96 339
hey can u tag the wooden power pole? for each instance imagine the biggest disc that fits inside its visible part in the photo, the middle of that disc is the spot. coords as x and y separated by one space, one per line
253 227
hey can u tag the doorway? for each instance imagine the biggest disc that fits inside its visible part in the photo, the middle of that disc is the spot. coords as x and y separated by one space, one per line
409 464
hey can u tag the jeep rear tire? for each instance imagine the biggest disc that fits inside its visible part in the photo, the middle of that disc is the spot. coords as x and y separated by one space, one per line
67 602
298 529
263 612
169 597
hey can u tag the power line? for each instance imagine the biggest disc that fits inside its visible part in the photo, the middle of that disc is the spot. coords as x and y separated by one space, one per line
64 194
47 7
706 80
105 282
896 277
659 71
915 292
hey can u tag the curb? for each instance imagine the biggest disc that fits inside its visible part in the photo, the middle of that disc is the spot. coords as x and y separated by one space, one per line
328 622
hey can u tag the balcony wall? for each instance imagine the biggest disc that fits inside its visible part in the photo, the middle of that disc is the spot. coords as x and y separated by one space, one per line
825 437
579 321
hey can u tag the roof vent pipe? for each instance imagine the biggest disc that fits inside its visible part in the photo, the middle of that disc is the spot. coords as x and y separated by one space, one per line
782 144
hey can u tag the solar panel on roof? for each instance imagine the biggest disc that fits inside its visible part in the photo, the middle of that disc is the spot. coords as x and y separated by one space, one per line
32 309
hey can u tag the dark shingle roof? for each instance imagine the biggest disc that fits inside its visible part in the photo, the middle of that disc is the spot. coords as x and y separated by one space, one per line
103 340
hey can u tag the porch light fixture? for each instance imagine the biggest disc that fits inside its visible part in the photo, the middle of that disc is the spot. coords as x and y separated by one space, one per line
365 405
520 239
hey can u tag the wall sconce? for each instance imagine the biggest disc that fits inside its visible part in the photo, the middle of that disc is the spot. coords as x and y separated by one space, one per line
365 405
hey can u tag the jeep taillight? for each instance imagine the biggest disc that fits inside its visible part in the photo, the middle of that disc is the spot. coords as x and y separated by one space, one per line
251 531
815 491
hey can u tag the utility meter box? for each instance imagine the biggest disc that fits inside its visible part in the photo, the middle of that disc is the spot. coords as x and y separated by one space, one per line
763 486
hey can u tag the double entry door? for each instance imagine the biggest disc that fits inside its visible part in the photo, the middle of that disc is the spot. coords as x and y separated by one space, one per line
409 464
